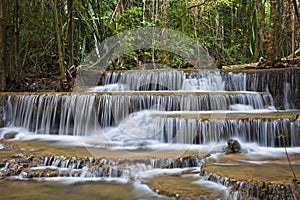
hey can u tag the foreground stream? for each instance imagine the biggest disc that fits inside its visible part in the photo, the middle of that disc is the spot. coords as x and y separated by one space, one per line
152 172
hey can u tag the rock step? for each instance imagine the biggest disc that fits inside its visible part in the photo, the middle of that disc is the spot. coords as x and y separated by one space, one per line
255 189
272 115
60 166
155 93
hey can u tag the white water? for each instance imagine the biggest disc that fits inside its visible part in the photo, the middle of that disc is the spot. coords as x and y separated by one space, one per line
109 142
39 113
146 128
141 122
111 88
162 80
129 120
206 82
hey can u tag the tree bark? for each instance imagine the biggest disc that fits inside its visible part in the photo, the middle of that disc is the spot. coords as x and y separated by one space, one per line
293 35
261 24
245 27
272 47
3 32
232 25
71 32
165 12
18 74
59 45
296 10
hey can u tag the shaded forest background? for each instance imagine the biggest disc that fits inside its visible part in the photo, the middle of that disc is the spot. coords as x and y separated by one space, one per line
44 40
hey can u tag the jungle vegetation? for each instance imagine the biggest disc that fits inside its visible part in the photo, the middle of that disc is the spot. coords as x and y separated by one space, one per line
50 38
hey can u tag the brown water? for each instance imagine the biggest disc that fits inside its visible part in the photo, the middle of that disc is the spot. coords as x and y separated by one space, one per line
239 166
169 185
274 170
183 187
30 190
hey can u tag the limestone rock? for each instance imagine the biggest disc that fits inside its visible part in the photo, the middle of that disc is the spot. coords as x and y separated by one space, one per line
10 135
233 146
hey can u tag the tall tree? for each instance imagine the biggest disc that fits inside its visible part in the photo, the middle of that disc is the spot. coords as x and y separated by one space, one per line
57 18
245 20
272 46
71 32
18 68
261 24
3 32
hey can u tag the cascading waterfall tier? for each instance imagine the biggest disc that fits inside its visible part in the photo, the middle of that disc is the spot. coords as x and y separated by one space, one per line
56 166
125 92
265 132
145 80
282 84
78 114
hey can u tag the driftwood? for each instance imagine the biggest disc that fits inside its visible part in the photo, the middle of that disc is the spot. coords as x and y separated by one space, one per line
293 59
241 66
292 56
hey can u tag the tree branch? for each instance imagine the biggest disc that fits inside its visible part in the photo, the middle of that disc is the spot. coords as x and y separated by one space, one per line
296 10
197 5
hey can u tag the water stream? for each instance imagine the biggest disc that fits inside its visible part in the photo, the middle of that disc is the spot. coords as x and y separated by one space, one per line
153 112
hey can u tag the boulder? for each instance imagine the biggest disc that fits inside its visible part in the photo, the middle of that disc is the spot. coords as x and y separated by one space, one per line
233 146
10 135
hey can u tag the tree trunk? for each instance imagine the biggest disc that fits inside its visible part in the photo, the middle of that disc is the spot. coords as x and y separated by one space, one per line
272 47
296 11
59 45
71 32
165 25
245 27
165 12
261 24
18 68
293 35
232 25
3 32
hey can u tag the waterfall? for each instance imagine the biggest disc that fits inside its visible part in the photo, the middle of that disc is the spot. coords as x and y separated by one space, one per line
162 80
283 84
126 95
265 132
81 114
235 81
145 80
280 82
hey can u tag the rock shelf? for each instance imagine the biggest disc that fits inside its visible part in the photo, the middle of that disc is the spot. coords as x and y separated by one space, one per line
245 177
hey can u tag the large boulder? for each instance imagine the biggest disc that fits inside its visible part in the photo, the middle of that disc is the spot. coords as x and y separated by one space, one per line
233 146
10 135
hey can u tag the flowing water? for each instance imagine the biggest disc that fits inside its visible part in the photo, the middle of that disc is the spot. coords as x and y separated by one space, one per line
148 127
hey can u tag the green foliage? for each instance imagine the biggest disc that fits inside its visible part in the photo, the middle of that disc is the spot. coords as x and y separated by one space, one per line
228 29
131 18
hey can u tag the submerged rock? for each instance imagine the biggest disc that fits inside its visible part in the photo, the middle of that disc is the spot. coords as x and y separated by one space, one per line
233 146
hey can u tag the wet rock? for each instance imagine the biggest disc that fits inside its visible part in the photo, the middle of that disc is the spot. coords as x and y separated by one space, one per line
28 173
255 190
10 135
1 120
233 146
2 110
